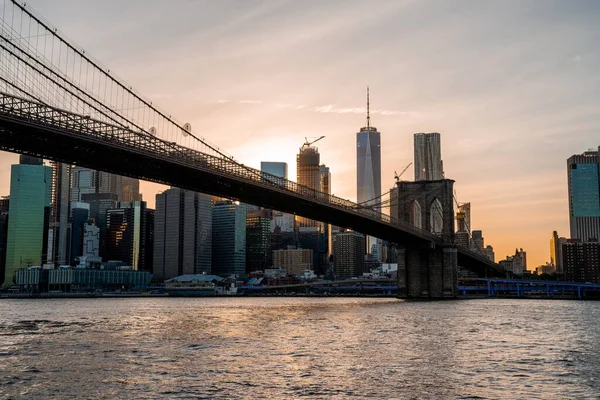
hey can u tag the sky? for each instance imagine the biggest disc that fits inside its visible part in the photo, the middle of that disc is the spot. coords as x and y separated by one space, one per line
512 86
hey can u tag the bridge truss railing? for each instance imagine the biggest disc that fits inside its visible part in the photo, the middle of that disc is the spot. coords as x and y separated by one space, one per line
25 111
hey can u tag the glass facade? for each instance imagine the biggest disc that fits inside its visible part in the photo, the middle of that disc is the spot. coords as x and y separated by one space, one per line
229 238
275 168
258 241
126 234
585 193
27 241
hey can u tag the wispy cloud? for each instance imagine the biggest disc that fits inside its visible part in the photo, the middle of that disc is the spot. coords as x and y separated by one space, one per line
330 108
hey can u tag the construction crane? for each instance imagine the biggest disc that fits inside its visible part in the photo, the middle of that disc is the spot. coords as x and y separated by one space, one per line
397 177
307 143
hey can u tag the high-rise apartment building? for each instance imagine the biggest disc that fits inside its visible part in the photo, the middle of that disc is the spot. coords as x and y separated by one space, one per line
428 157
583 173
182 234
229 238
127 234
258 240
28 225
348 254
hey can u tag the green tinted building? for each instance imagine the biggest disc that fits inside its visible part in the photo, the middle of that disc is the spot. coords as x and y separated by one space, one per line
29 209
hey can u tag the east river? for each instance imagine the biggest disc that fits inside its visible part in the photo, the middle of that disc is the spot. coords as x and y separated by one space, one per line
287 348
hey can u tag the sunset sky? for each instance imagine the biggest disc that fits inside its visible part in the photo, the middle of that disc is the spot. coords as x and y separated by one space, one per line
512 86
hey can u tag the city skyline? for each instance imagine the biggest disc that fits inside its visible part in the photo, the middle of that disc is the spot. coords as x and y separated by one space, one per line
533 100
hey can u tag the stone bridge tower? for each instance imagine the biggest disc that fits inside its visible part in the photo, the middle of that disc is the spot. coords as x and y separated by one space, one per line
428 271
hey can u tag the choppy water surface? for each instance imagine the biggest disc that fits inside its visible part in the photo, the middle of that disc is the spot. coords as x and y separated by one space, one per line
298 347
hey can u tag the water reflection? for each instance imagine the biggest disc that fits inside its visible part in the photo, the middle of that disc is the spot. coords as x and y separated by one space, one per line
289 348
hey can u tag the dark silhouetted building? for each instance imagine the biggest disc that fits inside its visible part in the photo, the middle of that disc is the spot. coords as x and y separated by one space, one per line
182 234
348 254
258 240
126 235
228 238
581 261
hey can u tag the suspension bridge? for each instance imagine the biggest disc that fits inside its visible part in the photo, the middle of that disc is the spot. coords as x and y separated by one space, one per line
59 103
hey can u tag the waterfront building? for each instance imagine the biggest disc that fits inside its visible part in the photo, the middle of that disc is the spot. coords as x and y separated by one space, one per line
348 254
583 174
182 234
294 261
80 214
428 157
228 238
78 280
127 236
581 260
308 174
515 264
258 240
28 225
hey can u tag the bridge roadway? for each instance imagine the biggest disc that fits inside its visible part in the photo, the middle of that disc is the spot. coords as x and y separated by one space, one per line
37 129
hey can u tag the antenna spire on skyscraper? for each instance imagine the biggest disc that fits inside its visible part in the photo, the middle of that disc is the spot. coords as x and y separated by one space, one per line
368 116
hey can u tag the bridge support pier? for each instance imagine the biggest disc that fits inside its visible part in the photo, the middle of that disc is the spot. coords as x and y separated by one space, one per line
427 273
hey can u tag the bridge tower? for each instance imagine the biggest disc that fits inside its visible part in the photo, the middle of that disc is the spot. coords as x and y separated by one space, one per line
430 270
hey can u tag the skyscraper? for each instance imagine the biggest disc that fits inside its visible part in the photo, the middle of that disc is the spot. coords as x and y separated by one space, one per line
87 180
4 203
126 234
182 233
80 213
428 157
556 252
308 174
99 204
584 195
27 242
229 238
58 246
276 168
348 254
258 240
368 171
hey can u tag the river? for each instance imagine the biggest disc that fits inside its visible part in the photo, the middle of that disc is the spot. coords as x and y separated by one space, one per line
287 348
